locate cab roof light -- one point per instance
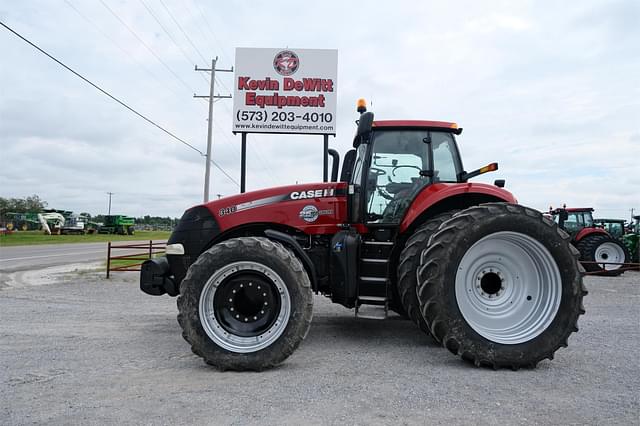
(361, 105)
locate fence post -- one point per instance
(108, 258)
(150, 248)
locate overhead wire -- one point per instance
(122, 49)
(183, 31)
(122, 103)
(264, 164)
(146, 46)
(208, 26)
(203, 35)
(184, 53)
(275, 177)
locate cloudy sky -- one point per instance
(548, 89)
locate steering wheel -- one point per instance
(393, 172)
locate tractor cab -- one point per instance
(573, 220)
(393, 161)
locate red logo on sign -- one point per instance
(286, 62)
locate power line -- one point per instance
(145, 45)
(122, 103)
(266, 165)
(183, 31)
(123, 50)
(185, 54)
(210, 29)
(203, 35)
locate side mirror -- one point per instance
(563, 215)
(464, 176)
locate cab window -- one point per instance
(445, 167)
(393, 178)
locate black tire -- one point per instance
(131, 230)
(588, 248)
(408, 267)
(288, 271)
(441, 298)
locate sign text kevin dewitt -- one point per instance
(285, 91)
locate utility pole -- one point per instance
(212, 97)
(110, 194)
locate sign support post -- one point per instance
(243, 163)
(325, 164)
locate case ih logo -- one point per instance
(286, 62)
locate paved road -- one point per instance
(90, 351)
(22, 258)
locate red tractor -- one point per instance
(600, 251)
(403, 229)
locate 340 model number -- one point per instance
(227, 210)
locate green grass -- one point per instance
(27, 238)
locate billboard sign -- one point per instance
(285, 91)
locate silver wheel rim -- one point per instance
(223, 337)
(609, 252)
(508, 287)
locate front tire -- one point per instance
(245, 304)
(500, 286)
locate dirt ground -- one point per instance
(78, 349)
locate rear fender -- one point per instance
(439, 198)
(586, 232)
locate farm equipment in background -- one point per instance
(402, 229)
(614, 227)
(599, 251)
(630, 239)
(75, 224)
(52, 222)
(22, 221)
(118, 224)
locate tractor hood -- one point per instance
(309, 207)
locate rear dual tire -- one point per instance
(245, 304)
(408, 267)
(605, 249)
(499, 285)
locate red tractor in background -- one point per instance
(403, 229)
(599, 251)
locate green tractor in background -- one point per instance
(22, 221)
(630, 240)
(615, 227)
(118, 224)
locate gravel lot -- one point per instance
(79, 349)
